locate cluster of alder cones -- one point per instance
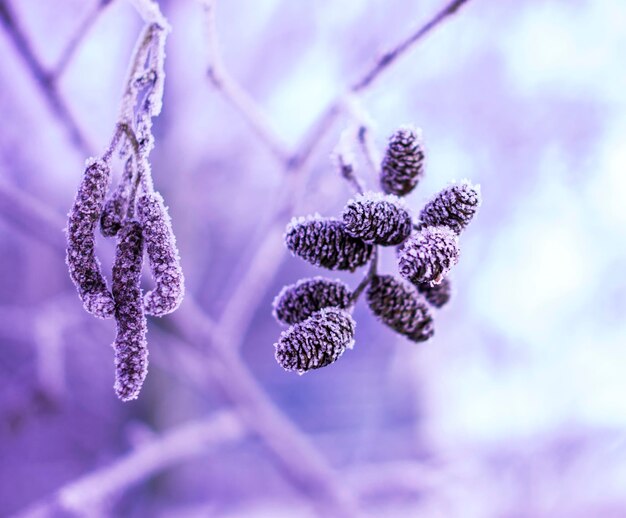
(318, 310)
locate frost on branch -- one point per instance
(403, 163)
(162, 256)
(399, 306)
(377, 219)
(428, 255)
(84, 267)
(325, 242)
(131, 348)
(317, 342)
(299, 301)
(453, 207)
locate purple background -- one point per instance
(515, 408)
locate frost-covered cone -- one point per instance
(299, 301)
(162, 256)
(316, 342)
(453, 207)
(428, 255)
(115, 207)
(378, 219)
(131, 349)
(403, 163)
(324, 242)
(399, 306)
(81, 259)
(437, 295)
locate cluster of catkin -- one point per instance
(137, 217)
(318, 310)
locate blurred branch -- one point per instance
(395, 52)
(236, 95)
(32, 217)
(42, 78)
(76, 39)
(91, 492)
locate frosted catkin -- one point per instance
(131, 348)
(83, 265)
(399, 306)
(377, 219)
(325, 242)
(162, 255)
(316, 342)
(428, 255)
(299, 301)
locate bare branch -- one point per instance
(43, 79)
(236, 95)
(71, 47)
(95, 489)
(395, 52)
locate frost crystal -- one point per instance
(162, 255)
(81, 259)
(115, 207)
(299, 301)
(377, 219)
(453, 207)
(131, 349)
(316, 342)
(428, 255)
(324, 242)
(399, 306)
(403, 163)
(437, 295)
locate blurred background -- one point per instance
(514, 409)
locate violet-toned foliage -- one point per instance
(399, 306)
(325, 242)
(131, 348)
(453, 207)
(428, 255)
(82, 262)
(297, 302)
(403, 162)
(162, 255)
(377, 219)
(316, 342)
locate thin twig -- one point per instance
(346, 162)
(97, 488)
(371, 273)
(236, 95)
(71, 47)
(43, 79)
(395, 52)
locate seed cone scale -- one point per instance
(428, 255)
(403, 163)
(316, 342)
(399, 306)
(325, 242)
(299, 301)
(377, 219)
